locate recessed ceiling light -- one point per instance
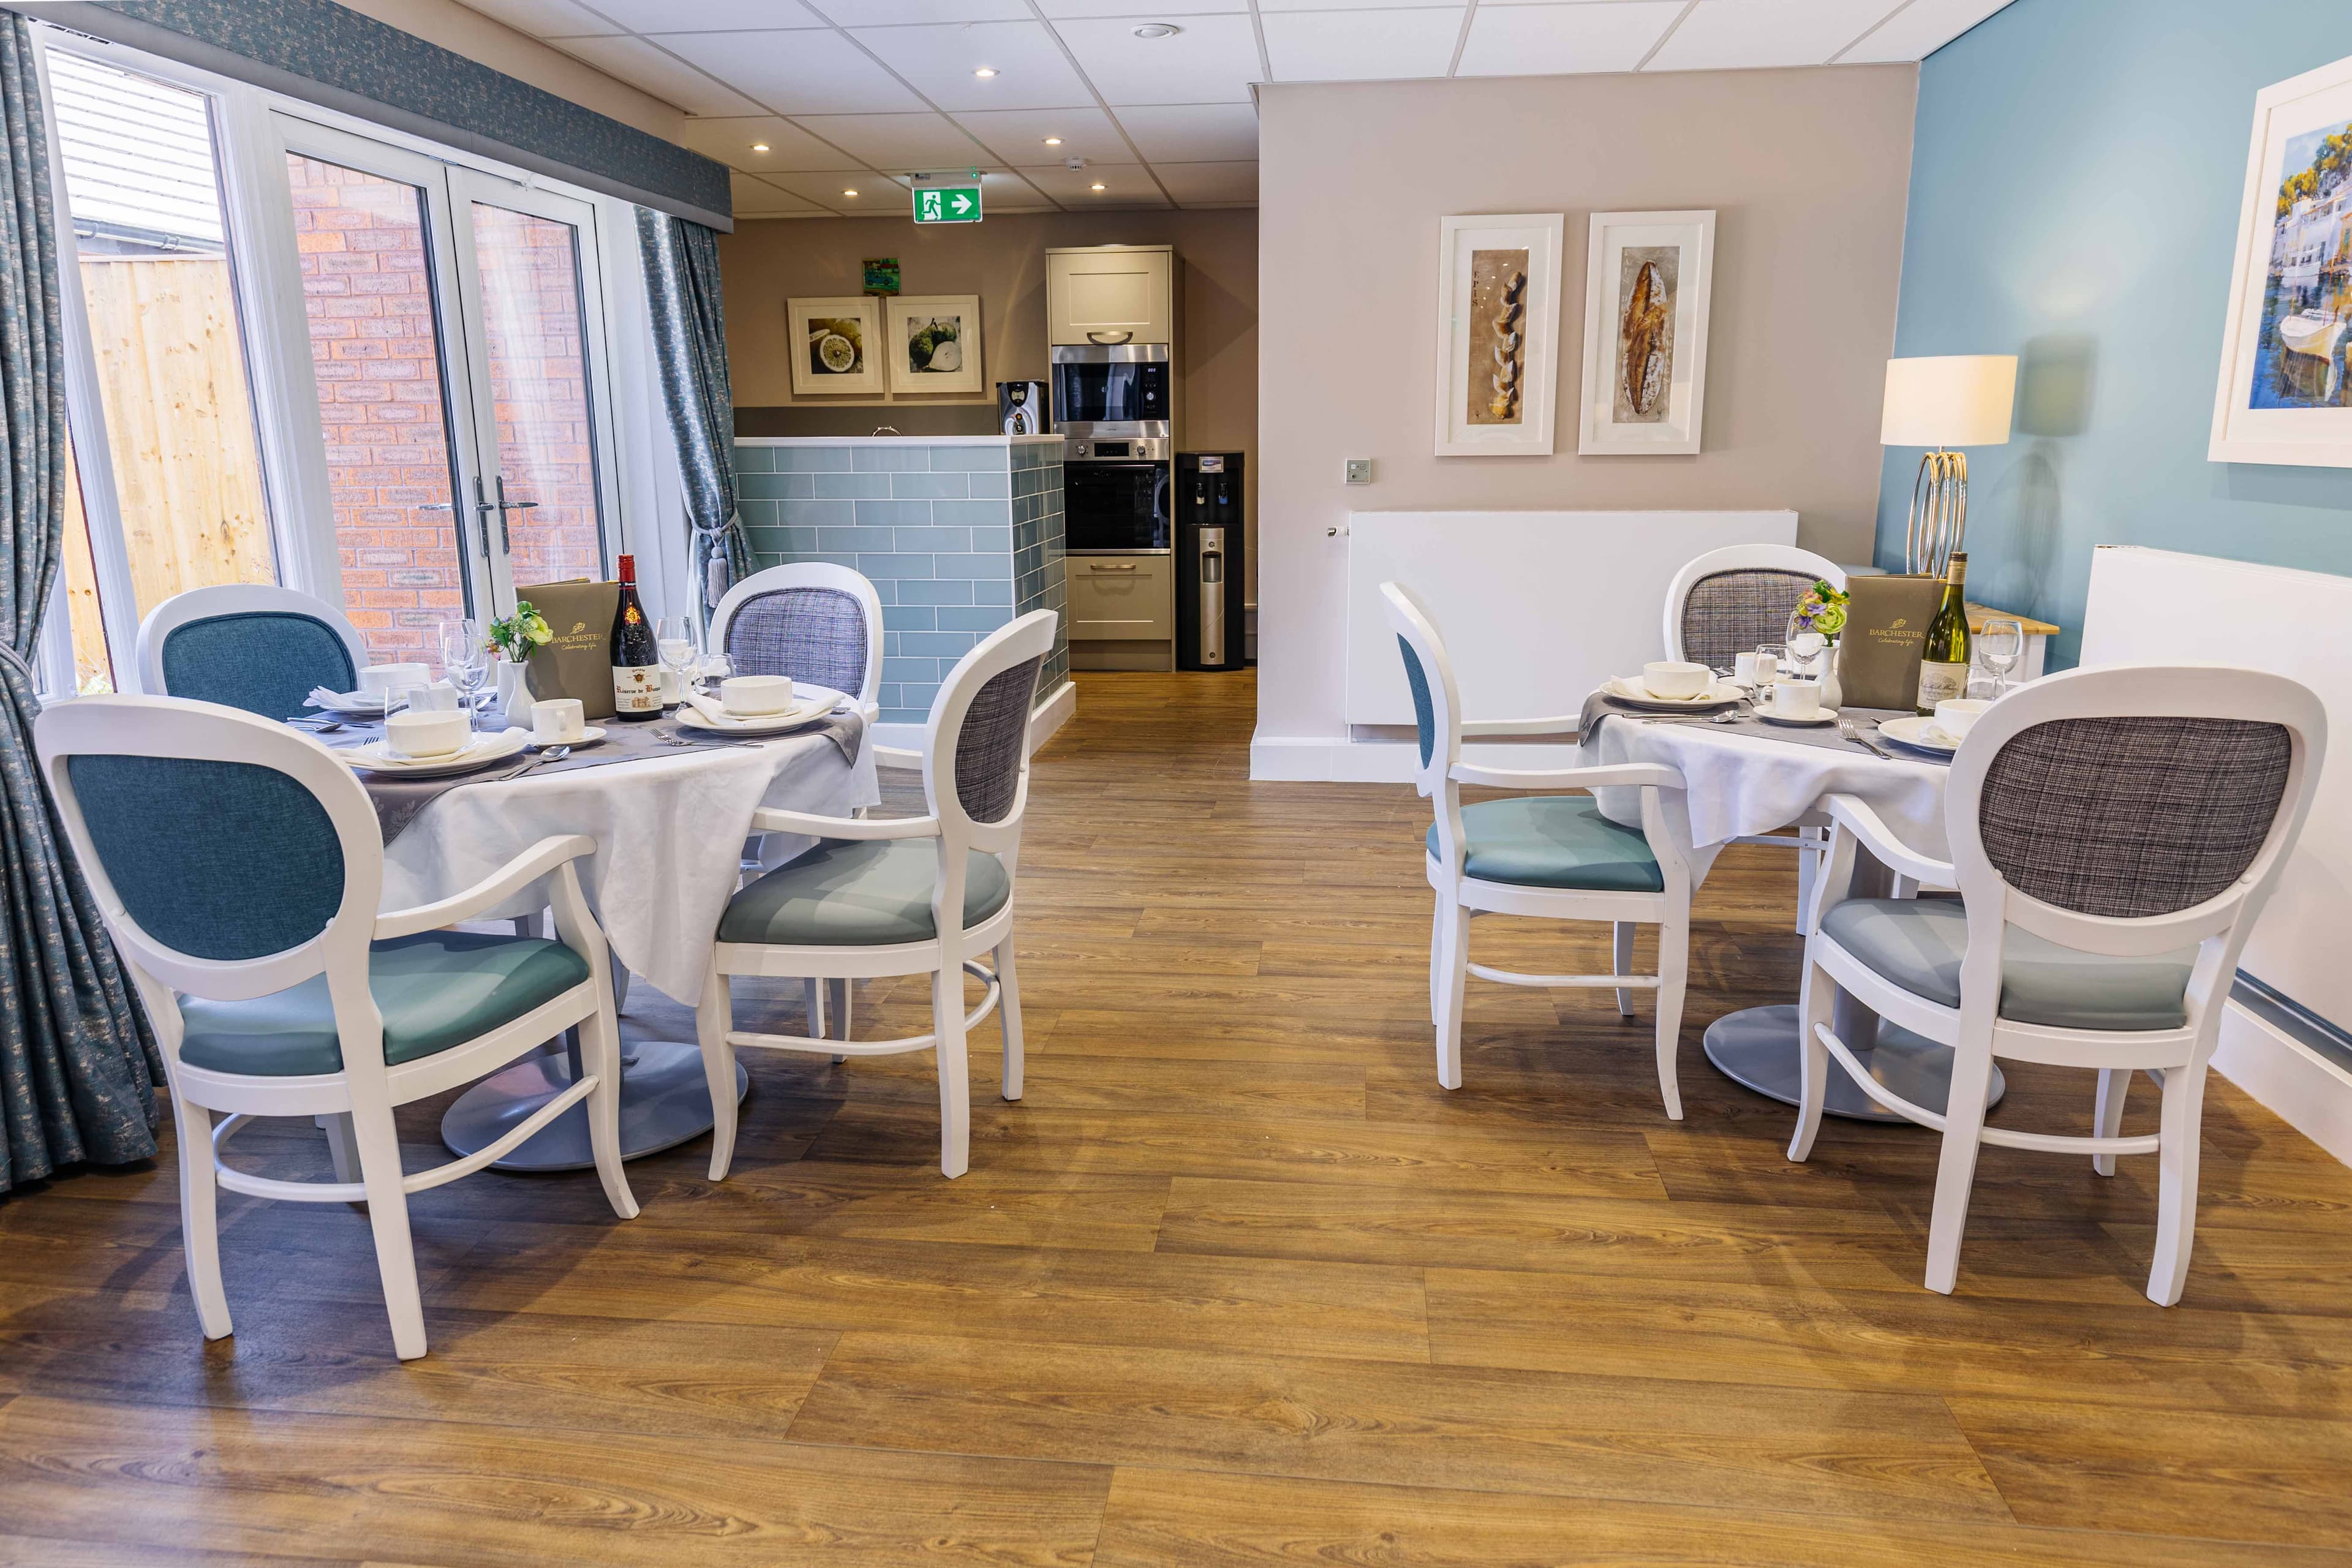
(1157, 30)
(759, 146)
(849, 192)
(1053, 142)
(1098, 186)
(984, 72)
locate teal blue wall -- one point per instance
(2075, 184)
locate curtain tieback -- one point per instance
(20, 661)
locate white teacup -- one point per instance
(1755, 668)
(425, 735)
(753, 695)
(1955, 716)
(1673, 681)
(1797, 697)
(559, 721)
(378, 679)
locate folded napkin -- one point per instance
(366, 702)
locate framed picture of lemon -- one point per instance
(837, 345)
(934, 343)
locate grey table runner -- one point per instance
(399, 801)
(1600, 706)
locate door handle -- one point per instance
(1125, 337)
(482, 510)
(505, 540)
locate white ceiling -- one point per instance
(850, 95)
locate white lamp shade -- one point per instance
(1953, 400)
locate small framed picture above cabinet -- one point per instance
(934, 343)
(837, 344)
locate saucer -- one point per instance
(589, 735)
(1919, 734)
(1826, 716)
(1629, 690)
(479, 751)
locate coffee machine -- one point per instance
(1025, 408)
(1209, 580)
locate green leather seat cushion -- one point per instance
(1554, 841)
(866, 892)
(1918, 944)
(435, 990)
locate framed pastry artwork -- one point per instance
(835, 344)
(1497, 334)
(934, 343)
(1648, 277)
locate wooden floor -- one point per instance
(1235, 1283)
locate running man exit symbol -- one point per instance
(947, 204)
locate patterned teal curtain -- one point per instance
(77, 1065)
(690, 340)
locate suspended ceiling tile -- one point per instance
(791, 150)
(796, 73)
(1270, 6)
(706, 16)
(894, 13)
(757, 198)
(1136, 11)
(874, 194)
(1124, 185)
(1361, 46)
(642, 66)
(545, 18)
(1019, 135)
(1031, 71)
(1919, 30)
(1212, 60)
(1733, 34)
(1546, 40)
(1194, 185)
(1193, 133)
(917, 141)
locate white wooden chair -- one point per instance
(239, 864)
(812, 620)
(253, 646)
(1553, 857)
(2115, 833)
(874, 899)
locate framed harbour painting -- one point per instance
(2285, 394)
(934, 342)
(837, 344)
(1497, 334)
(1648, 281)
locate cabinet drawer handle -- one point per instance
(1125, 337)
(1095, 568)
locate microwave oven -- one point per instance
(1113, 389)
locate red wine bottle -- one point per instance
(636, 663)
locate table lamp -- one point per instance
(1952, 400)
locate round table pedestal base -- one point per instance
(663, 1102)
(1757, 1049)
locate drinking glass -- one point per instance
(466, 659)
(1771, 660)
(673, 640)
(716, 667)
(2001, 644)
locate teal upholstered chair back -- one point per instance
(1429, 675)
(250, 646)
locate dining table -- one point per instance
(669, 806)
(1744, 775)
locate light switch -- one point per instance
(1359, 470)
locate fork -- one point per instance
(1846, 728)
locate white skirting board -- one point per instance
(1044, 720)
(2296, 1083)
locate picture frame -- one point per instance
(1498, 378)
(933, 345)
(1648, 280)
(818, 329)
(2286, 390)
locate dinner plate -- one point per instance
(481, 752)
(1634, 694)
(809, 703)
(1826, 716)
(1919, 734)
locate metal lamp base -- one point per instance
(1757, 1049)
(665, 1101)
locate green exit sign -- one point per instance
(947, 204)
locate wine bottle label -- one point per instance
(636, 689)
(1941, 683)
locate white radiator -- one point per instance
(1536, 608)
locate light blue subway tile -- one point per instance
(895, 513)
(893, 458)
(973, 618)
(905, 619)
(927, 486)
(886, 693)
(835, 556)
(755, 460)
(903, 669)
(907, 715)
(819, 515)
(974, 566)
(938, 591)
(890, 645)
(968, 459)
(812, 459)
(986, 485)
(940, 645)
(760, 487)
(987, 539)
(884, 590)
(852, 487)
(931, 541)
(970, 513)
(802, 541)
(859, 540)
(998, 592)
(760, 514)
(898, 567)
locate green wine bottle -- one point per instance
(1943, 656)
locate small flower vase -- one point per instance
(512, 688)
(1833, 694)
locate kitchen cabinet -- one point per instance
(1110, 294)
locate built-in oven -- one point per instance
(1112, 389)
(1116, 495)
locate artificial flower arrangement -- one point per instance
(517, 635)
(1821, 611)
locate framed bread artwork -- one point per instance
(1497, 334)
(1648, 279)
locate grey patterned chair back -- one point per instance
(1726, 613)
(816, 634)
(2130, 818)
(993, 743)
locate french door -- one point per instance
(456, 350)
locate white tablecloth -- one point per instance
(1750, 784)
(669, 836)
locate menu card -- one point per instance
(579, 661)
(1885, 627)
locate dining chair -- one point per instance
(1549, 856)
(882, 895)
(1732, 601)
(239, 864)
(2115, 833)
(253, 646)
(812, 620)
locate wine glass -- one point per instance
(673, 640)
(716, 667)
(466, 659)
(2001, 644)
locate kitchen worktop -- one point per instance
(896, 440)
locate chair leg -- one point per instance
(200, 1216)
(1810, 848)
(600, 1053)
(620, 985)
(1620, 960)
(813, 999)
(396, 1254)
(1956, 1171)
(713, 1016)
(1452, 955)
(1436, 957)
(1816, 1003)
(1008, 1014)
(955, 1071)
(1674, 976)
(341, 1152)
(2179, 1136)
(2115, 1083)
(838, 995)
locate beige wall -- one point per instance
(1002, 260)
(1808, 172)
(494, 43)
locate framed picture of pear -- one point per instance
(837, 345)
(1648, 277)
(1497, 334)
(934, 343)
